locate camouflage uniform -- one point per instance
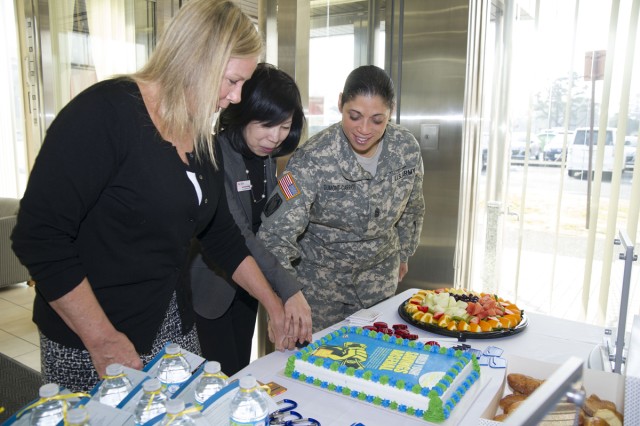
(340, 230)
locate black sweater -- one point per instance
(109, 199)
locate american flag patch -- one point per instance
(288, 186)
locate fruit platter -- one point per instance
(463, 314)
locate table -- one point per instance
(546, 339)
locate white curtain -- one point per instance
(112, 29)
(535, 240)
(61, 24)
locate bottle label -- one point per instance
(260, 422)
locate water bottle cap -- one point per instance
(174, 406)
(172, 349)
(152, 385)
(77, 415)
(48, 390)
(115, 369)
(212, 367)
(248, 382)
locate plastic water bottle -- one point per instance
(151, 403)
(77, 417)
(51, 411)
(115, 387)
(211, 381)
(175, 415)
(173, 369)
(250, 405)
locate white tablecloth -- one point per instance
(545, 338)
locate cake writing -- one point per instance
(404, 362)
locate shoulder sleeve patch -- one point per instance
(272, 205)
(288, 186)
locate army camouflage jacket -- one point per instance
(329, 211)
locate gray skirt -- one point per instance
(72, 368)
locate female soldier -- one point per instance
(347, 212)
(266, 124)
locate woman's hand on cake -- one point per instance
(298, 312)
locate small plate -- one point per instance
(463, 335)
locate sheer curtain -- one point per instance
(112, 29)
(540, 236)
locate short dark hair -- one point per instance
(270, 96)
(369, 80)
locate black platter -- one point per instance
(463, 335)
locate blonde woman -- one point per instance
(124, 180)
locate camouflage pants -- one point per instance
(334, 295)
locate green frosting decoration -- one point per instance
(435, 413)
(377, 400)
(442, 350)
(318, 362)
(305, 356)
(350, 371)
(362, 396)
(476, 364)
(411, 411)
(334, 366)
(400, 384)
(393, 405)
(331, 386)
(346, 391)
(302, 377)
(317, 382)
(384, 380)
(416, 388)
(367, 375)
(289, 368)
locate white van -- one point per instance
(578, 153)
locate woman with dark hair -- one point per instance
(266, 124)
(348, 209)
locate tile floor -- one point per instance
(18, 334)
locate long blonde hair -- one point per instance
(189, 62)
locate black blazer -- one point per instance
(212, 290)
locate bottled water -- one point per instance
(77, 417)
(115, 387)
(151, 403)
(211, 381)
(51, 411)
(173, 369)
(175, 415)
(249, 406)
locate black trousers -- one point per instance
(227, 339)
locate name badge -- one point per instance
(243, 185)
